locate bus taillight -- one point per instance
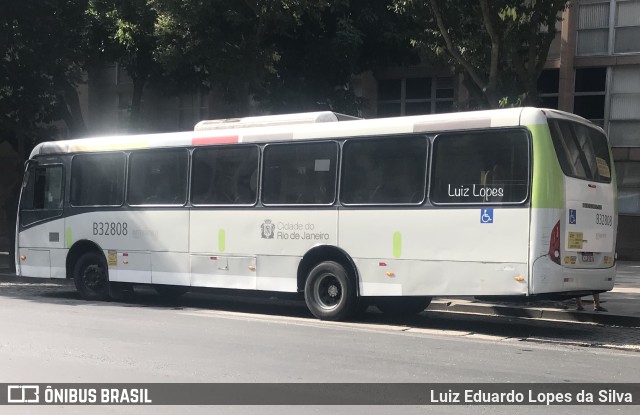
(554, 244)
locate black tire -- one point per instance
(330, 292)
(171, 292)
(402, 306)
(91, 276)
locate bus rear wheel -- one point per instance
(330, 292)
(90, 276)
(402, 306)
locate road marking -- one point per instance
(290, 320)
(381, 327)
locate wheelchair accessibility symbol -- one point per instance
(572, 216)
(486, 215)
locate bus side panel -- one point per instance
(58, 263)
(448, 251)
(277, 238)
(36, 243)
(439, 278)
(150, 245)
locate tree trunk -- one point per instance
(139, 83)
(75, 120)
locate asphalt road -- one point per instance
(47, 334)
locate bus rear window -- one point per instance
(582, 151)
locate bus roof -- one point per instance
(297, 127)
(271, 120)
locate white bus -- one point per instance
(389, 212)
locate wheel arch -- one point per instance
(78, 249)
(322, 253)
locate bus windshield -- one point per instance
(582, 151)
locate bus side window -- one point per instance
(44, 189)
(480, 167)
(42, 194)
(225, 175)
(300, 173)
(158, 177)
(384, 171)
(97, 179)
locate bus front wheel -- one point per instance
(330, 292)
(402, 306)
(90, 277)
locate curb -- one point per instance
(448, 306)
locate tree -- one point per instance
(40, 68)
(325, 46)
(214, 45)
(123, 32)
(499, 46)
(290, 55)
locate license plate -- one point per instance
(587, 257)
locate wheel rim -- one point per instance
(94, 277)
(327, 292)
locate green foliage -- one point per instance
(40, 63)
(500, 46)
(324, 47)
(284, 55)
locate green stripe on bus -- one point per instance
(69, 237)
(397, 244)
(221, 240)
(548, 179)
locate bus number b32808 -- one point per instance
(110, 228)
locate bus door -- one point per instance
(40, 218)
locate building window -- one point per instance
(608, 27)
(624, 114)
(589, 97)
(628, 173)
(627, 29)
(548, 86)
(413, 96)
(593, 28)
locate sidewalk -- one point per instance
(622, 303)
